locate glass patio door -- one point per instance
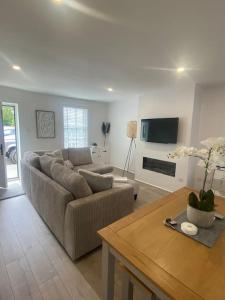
(3, 174)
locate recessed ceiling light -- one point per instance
(180, 70)
(110, 89)
(57, 1)
(16, 67)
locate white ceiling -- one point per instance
(80, 48)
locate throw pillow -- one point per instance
(68, 164)
(71, 181)
(33, 159)
(46, 162)
(96, 181)
(80, 156)
(55, 154)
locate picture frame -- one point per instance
(45, 124)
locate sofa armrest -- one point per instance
(84, 217)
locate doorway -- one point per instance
(10, 184)
(10, 131)
(9, 144)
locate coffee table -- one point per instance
(170, 264)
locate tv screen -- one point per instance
(160, 130)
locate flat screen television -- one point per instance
(163, 130)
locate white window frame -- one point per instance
(66, 145)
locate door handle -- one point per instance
(1, 149)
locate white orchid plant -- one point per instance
(211, 157)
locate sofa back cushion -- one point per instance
(96, 181)
(56, 154)
(65, 154)
(71, 181)
(33, 159)
(80, 156)
(46, 162)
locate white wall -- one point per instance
(173, 101)
(212, 113)
(28, 102)
(211, 119)
(119, 114)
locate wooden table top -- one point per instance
(181, 267)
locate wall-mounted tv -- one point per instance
(163, 130)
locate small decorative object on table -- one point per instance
(200, 208)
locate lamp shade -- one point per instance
(132, 129)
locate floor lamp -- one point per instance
(132, 134)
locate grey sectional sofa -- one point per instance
(74, 222)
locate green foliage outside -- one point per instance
(8, 116)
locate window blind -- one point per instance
(75, 127)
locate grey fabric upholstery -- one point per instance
(80, 156)
(86, 216)
(33, 159)
(46, 162)
(65, 154)
(68, 164)
(74, 222)
(25, 177)
(97, 168)
(73, 182)
(97, 182)
(56, 154)
(50, 200)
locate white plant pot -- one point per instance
(200, 218)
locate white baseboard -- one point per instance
(132, 172)
(158, 187)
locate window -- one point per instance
(75, 127)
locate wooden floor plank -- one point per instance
(40, 265)
(74, 281)
(54, 289)
(5, 286)
(22, 280)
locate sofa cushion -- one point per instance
(56, 154)
(96, 168)
(80, 156)
(71, 181)
(65, 154)
(68, 164)
(46, 162)
(33, 159)
(96, 181)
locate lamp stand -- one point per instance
(127, 162)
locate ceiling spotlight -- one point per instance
(16, 67)
(180, 70)
(110, 89)
(57, 1)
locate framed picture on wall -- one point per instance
(45, 123)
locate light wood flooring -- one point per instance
(34, 266)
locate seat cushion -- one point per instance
(71, 181)
(46, 162)
(96, 168)
(97, 182)
(80, 156)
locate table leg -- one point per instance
(108, 269)
(127, 286)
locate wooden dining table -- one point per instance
(170, 264)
